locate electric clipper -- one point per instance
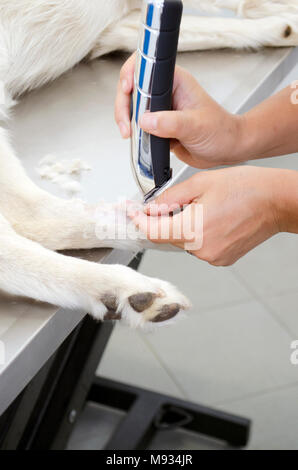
(153, 89)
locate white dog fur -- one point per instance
(39, 41)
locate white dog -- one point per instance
(40, 40)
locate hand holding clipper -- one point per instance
(153, 89)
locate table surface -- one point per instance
(73, 118)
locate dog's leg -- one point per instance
(122, 35)
(208, 33)
(56, 223)
(200, 33)
(105, 291)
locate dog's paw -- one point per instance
(154, 302)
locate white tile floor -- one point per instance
(232, 352)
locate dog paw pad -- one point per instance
(110, 301)
(141, 302)
(167, 313)
(112, 316)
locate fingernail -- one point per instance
(134, 215)
(152, 209)
(123, 129)
(124, 84)
(132, 211)
(190, 253)
(148, 122)
(132, 208)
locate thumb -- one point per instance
(169, 124)
(175, 198)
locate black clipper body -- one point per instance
(153, 89)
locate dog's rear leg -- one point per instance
(107, 292)
(200, 33)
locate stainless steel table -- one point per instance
(73, 117)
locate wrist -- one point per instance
(233, 143)
(247, 138)
(285, 200)
(269, 129)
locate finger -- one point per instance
(122, 107)
(157, 229)
(169, 124)
(178, 196)
(127, 74)
(187, 92)
(122, 103)
(184, 155)
(183, 230)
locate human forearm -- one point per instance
(271, 128)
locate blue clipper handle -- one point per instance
(162, 86)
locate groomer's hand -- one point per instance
(203, 134)
(242, 207)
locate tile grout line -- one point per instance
(257, 394)
(232, 303)
(252, 297)
(161, 361)
(263, 302)
(163, 365)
